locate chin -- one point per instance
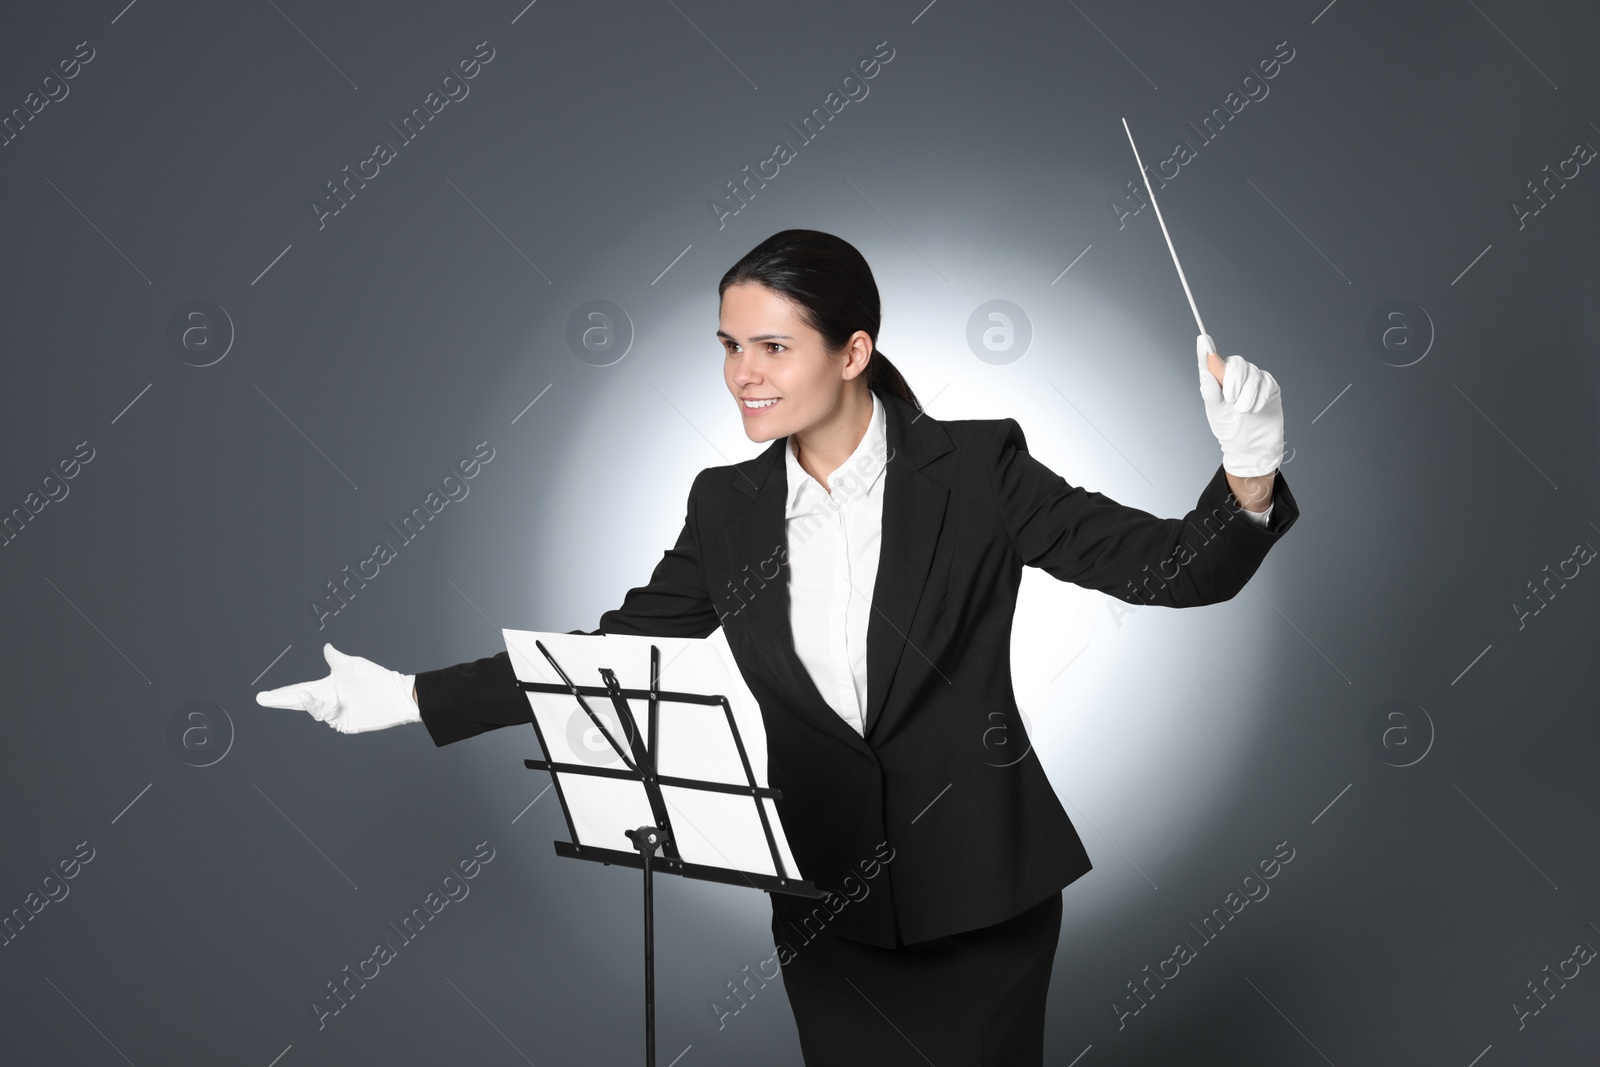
(761, 434)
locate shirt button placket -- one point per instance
(846, 681)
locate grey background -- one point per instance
(370, 355)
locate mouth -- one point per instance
(752, 406)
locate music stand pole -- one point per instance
(646, 839)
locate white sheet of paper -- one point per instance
(693, 741)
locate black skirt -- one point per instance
(972, 999)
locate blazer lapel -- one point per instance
(914, 509)
(755, 535)
(915, 505)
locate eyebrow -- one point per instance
(758, 337)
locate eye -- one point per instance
(774, 345)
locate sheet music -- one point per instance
(713, 829)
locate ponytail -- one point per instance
(885, 379)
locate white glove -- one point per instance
(356, 696)
(1245, 412)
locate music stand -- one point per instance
(639, 790)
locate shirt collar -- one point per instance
(855, 476)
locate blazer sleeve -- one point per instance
(469, 698)
(1087, 538)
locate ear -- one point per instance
(858, 352)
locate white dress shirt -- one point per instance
(834, 536)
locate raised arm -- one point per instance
(1087, 538)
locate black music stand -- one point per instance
(639, 758)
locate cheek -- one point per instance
(799, 391)
(804, 379)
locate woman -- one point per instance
(864, 567)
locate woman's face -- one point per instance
(770, 354)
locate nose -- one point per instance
(743, 371)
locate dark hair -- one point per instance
(832, 286)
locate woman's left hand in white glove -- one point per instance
(355, 696)
(1245, 411)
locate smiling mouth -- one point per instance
(761, 405)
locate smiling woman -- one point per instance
(800, 321)
(875, 630)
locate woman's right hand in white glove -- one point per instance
(1244, 406)
(356, 696)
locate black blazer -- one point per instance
(965, 507)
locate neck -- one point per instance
(824, 446)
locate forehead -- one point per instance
(755, 308)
